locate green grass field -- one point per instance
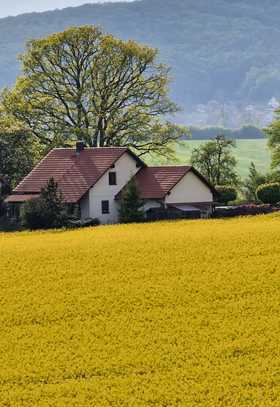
(246, 151)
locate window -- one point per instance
(112, 178)
(105, 207)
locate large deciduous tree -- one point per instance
(18, 153)
(273, 133)
(216, 162)
(85, 84)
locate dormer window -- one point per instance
(112, 178)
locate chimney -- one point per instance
(79, 147)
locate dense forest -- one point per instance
(224, 51)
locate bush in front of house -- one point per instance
(47, 211)
(2, 206)
(226, 194)
(269, 193)
(243, 210)
(131, 205)
(5, 189)
(83, 223)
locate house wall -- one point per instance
(125, 168)
(190, 190)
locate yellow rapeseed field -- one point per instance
(169, 314)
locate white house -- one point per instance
(94, 179)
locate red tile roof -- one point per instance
(20, 198)
(157, 182)
(75, 174)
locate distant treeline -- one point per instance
(246, 132)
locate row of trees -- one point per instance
(215, 160)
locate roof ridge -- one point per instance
(66, 172)
(170, 166)
(74, 165)
(91, 148)
(75, 173)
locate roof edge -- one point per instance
(199, 175)
(14, 191)
(125, 150)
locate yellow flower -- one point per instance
(166, 314)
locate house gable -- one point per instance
(124, 169)
(191, 188)
(74, 171)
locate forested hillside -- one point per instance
(223, 50)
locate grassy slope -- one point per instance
(246, 151)
(171, 314)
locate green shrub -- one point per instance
(34, 214)
(131, 205)
(47, 211)
(226, 194)
(269, 193)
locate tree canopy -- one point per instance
(216, 162)
(87, 85)
(273, 133)
(18, 153)
(252, 182)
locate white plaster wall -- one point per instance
(190, 190)
(126, 168)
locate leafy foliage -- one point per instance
(18, 154)
(273, 133)
(5, 189)
(226, 194)
(252, 182)
(131, 205)
(269, 193)
(168, 314)
(47, 211)
(86, 85)
(223, 50)
(216, 162)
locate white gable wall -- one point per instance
(190, 190)
(125, 168)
